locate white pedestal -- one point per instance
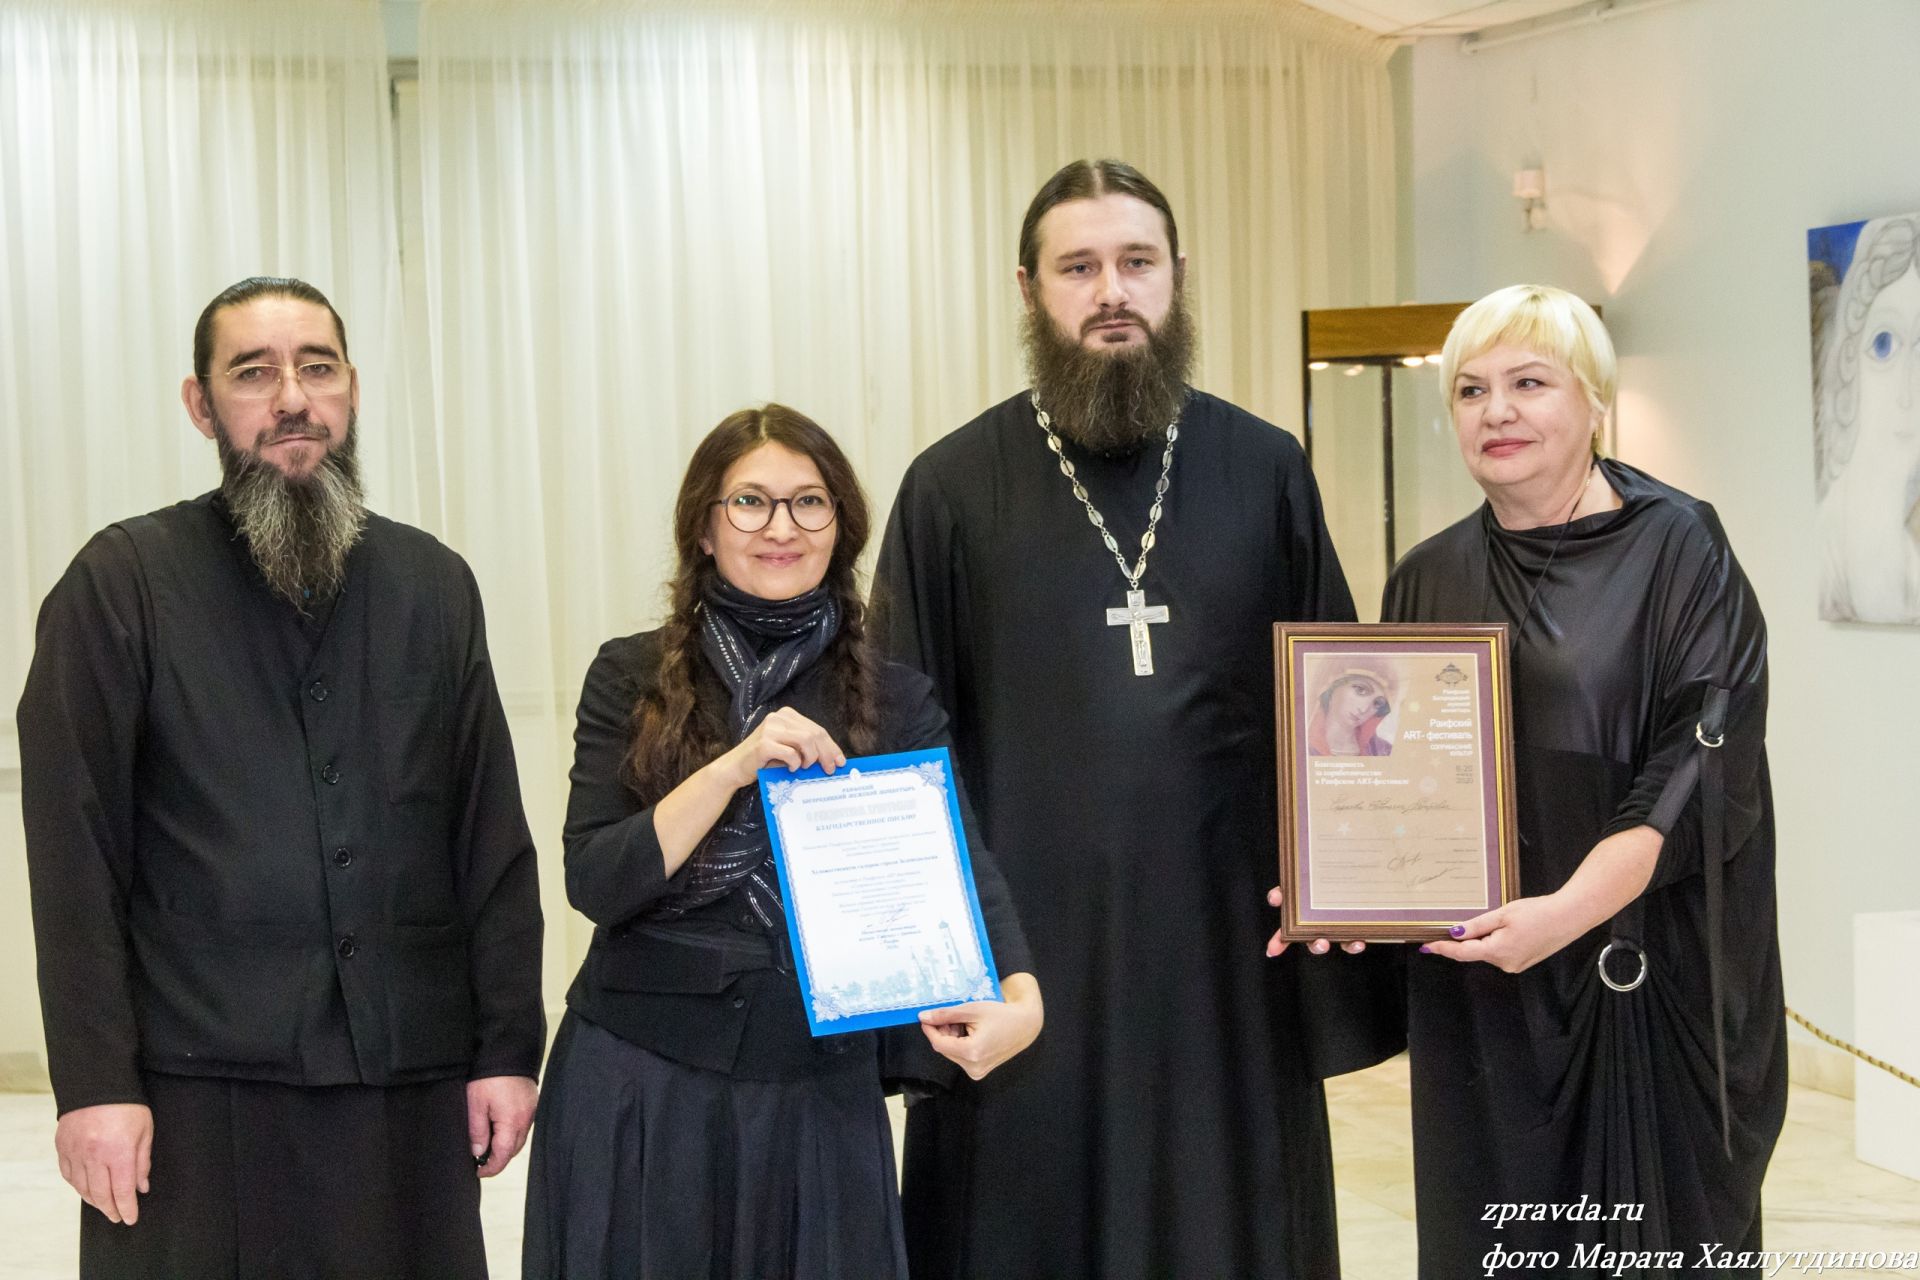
(1886, 1022)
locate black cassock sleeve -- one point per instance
(1319, 591)
(1351, 1010)
(923, 726)
(919, 610)
(1710, 634)
(908, 1062)
(81, 717)
(920, 620)
(495, 864)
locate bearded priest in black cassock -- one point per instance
(1112, 708)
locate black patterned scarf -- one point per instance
(758, 647)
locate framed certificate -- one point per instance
(1396, 778)
(881, 907)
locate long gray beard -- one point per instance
(299, 532)
(1111, 403)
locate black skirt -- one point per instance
(347, 1182)
(644, 1167)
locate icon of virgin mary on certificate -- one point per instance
(1396, 778)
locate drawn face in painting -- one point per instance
(1871, 512)
(1889, 413)
(1354, 701)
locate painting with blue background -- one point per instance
(1834, 245)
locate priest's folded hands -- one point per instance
(1319, 946)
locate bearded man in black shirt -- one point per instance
(284, 896)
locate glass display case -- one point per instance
(1380, 437)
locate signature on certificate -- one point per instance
(1354, 804)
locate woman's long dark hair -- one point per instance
(672, 735)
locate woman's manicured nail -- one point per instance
(1425, 950)
(1458, 931)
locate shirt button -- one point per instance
(343, 857)
(739, 1002)
(746, 920)
(318, 691)
(347, 947)
(330, 776)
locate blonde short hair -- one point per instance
(1545, 320)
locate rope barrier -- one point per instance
(1865, 1057)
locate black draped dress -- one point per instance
(1169, 1122)
(1547, 1087)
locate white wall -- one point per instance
(1687, 150)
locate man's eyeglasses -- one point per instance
(262, 381)
(751, 510)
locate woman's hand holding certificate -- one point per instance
(787, 738)
(981, 1035)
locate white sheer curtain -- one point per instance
(638, 218)
(621, 223)
(150, 155)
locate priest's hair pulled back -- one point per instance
(1089, 180)
(672, 735)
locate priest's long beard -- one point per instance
(1110, 402)
(298, 529)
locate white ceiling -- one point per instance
(1437, 17)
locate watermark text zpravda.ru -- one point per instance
(1585, 1209)
(1607, 1260)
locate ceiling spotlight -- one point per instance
(1412, 362)
(1316, 365)
(1434, 358)
(1354, 370)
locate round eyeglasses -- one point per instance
(262, 381)
(751, 510)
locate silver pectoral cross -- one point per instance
(1138, 617)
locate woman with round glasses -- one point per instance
(690, 1126)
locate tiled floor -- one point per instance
(1817, 1196)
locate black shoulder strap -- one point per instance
(1711, 732)
(1705, 769)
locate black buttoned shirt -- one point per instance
(270, 845)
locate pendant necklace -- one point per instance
(1526, 613)
(1137, 616)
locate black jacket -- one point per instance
(714, 988)
(268, 847)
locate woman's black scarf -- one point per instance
(758, 648)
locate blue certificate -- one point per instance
(879, 891)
